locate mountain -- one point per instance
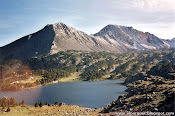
(60, 37)
(130, 38)
(171, 42)
(51, 39)
(30, 45)
(68, 38)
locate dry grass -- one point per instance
(72, 77)
(35, 78)
(65, 110)
(106, 76)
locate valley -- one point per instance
(80, 66)
(59, 53)
(149, 75)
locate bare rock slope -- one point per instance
(129, 38)
(60, 37)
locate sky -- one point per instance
(22, 17)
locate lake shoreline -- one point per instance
(84, 90)
(62, 81)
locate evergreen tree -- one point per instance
(22, 103)
(36, 104)
(41, 104)
(13, 102)
(47, 103)
(56, 103)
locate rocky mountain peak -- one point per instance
(111, 28)
(107, 29)
(60, 37)
(69, 38)
(61, 25)
(130, 38)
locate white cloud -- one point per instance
(162, 30)
(4, 24)
(154, 5)
(156, 16)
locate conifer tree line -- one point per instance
(10, 102)
(41, 104)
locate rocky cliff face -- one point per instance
(68, 38)
(129, 38)
(59, 37)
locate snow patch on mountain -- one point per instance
(29, 37)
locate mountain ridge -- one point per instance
(60, 37)
(130, 36)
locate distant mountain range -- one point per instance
(59, 37)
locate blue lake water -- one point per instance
(83, 93)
